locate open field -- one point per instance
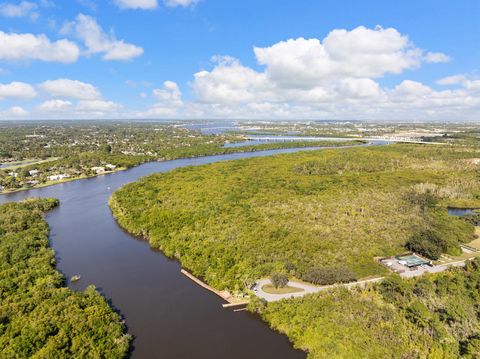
(27, 162)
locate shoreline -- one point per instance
(224, 294)
(53, 183)
(250, 149)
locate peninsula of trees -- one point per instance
(305, 213)
(327, 216)
(39, 317)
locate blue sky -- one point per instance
(398, 60)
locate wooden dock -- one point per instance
(232, 302)
(236, 304)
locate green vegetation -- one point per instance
(35, 155)
(39, 317)
(435, 316)
(330, 275)
(279, 280)
(268, 288)
(304, 214)
(26, 162)
(427, 243)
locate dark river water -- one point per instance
(168, 315)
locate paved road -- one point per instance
(310, 288)
(435, 269)
(307, 288)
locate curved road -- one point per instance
(310, 288)
(307, 288)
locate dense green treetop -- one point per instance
(304, 213)
(39, 317)
(435, 316)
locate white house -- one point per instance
(98, 170)
(58, 177)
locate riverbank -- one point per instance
(183, 213)
(39, 316)
(162, 308)
(191, 154)
(64, 180)
(310, 214)
(224, 294)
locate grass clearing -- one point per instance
(27, 162)
(270, 289)
(476, 242)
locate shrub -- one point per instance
(329, 275)
(427, 243)
(473, 219)
(418, 314)
(424, 196)
(472, 348)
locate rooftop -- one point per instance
(411, 260)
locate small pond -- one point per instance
(459, 212)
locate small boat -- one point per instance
(75, 278)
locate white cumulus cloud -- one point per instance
(98, 106)
(452, 80)
(83, 109)
(153, 4)
(54, 105)
(98, 41)
(436, 57)
(182, 3)
(230, 82)
(361, 53)
(333, 77)
(137, 4)
(14, 112)
(67, 88)
(170, 94)
(337, 77)
(412, 88)
(36, 47)
(17, 90)
(22, 9)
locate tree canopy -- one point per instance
(39, 317)
(305, 214)
(435, 316)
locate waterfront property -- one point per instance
(163, 309)
(58, 177)
(405, 263)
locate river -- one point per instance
(168, 315)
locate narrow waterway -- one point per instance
(169, 316)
